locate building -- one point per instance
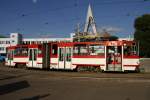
(4, 42)
(16, 38)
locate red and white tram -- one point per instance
(103, 55)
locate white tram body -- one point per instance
(103, 55)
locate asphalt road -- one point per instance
(22, 84)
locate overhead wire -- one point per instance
(74, 5)
(84, 4)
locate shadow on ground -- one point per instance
(5, 77)
(38, 97)
(12, 87)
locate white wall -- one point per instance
(15, 38)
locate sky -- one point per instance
(59, 18)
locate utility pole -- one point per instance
(78, 32)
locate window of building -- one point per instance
(2, 48)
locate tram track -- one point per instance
(17, 72)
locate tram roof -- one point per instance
(61, 44)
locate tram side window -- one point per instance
(54, 49)
(25, 51)
(30, 54)
(35, 54)
(96, 50)
(21, 52)
(80, 50)
(114, 50)
(84, 50)
(39, 51)
(130, 50)
(68, 52)
(76, 50)
(61, 54)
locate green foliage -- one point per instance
(142, 34)
(113, 38)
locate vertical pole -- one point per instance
(106, 53)
(122, 54)
(138, 48)
(78, 31)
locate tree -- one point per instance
(113, 38)
(142, 34)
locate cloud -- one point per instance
(34, 1)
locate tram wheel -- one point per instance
(137, 70)
(98, 69)
(78, 69)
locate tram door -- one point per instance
(65, 57)
(46, 56)
(114, 58)
(32, 57)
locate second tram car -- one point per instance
(98, 56)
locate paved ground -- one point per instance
(21, 84)
(145, 64)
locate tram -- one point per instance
(98, 56)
